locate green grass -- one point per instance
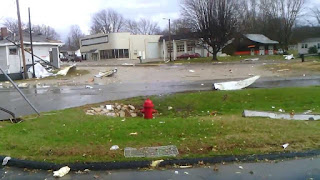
(71, 136)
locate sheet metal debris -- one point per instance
(5, 161)
(161, 151)
(285, 146)
(288, 57)
(106, 73)
(114, 147)
(301, 117)
(40, 71)
(61, 172)
(66, 70)
(235, 85)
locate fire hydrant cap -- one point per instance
(148, 104)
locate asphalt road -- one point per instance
(302, 169)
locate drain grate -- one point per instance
(161, 151)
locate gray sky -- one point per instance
(61, 14)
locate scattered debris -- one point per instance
(302, 117)
(91, 80)
(215, 168)
(128, 64)
(251, 172)
(170, 108)
(162, 122)
(61, 172)
(114, 147)
(308, 112)
(235, 85)
(116, 110)
(288, 57)
(176, 172)
(282, 70)
(281, 110)
(89, 87)
(133, 134)
(40, 71)
(252, 59)
(185, 167)
(240, 167)
(186, 173)
(6, 160)
(106, 73)
(192, 71)
(273, 107)
(161, 151)
(202, 84)
(23, 85)
(238, 172)
(156, 163)
(285, 146)
(66, 70)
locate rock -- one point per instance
(131, 107)
(128, 113)
(119, 107)
(97, 109)
(122, 114)
(133, 114)
(89, 114)
(91, 111)
(111, 114)
(106, 110)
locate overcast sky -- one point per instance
(61, 14)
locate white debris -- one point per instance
(281, 110)
(170, 108)
(127, 64)
(202, 84)
(282, 70)
(89, 87)
(285, 146)
(240, 167)
(109, 107)
(162, 122)
(61, 172)
(308, 112)
(288, 57)
(192, 71)
(65, 71)
(114, 147)
(235, 85)
(288, 116)
(273, 107)
(5, 161)
(40, 71)
(23, 85)
(253, 59)
(106, 73)
(133, 134)
(156, 163)
(176, 172)
(185, 167)
(186, 173)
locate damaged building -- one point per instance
(10, 54)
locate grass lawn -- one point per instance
(306, 67)
(71, 136)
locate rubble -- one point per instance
(5, 161)
(115, 110)
(61, 172)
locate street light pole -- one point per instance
(170, 40)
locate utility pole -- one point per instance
(31, 44)
(170, 47)
(21, 41)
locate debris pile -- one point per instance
(116, 110)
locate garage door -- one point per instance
(153, 51)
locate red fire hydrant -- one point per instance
(148, 109)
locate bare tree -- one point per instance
(74, 37)
(215, 20)
(107, 21)
(132, 26)
(284, 14)
(143, 26)
(316, 14)
(12, 25)
(47, 31)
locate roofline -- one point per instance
(35, 43)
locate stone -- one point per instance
(131, 107)
(122, 114)
(111, 114)
(97, 109)
(119, 107)
(106, 110)
(91, 111)
(89, 114)
(133, 114)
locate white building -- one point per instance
(10, 54)
(303, 47)
(120, 46)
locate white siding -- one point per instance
(305, 50)
(14, 61)
(3, 57)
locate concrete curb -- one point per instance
(145, 164)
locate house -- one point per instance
(121, 45)
(303, 47)
(253, 44)
(10, 54)
(187, 43)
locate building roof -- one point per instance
(36, 39)
(260, 38)
(309, 40)
(180, 37)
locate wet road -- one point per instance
(305, 169)
(56, 98)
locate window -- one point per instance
(180, 47)
(169, 49)
(190, 46)
(302, 46)
(114, 53)
(13, 51)
(306, 46)
(318, 45)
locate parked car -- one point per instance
(191, 56)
